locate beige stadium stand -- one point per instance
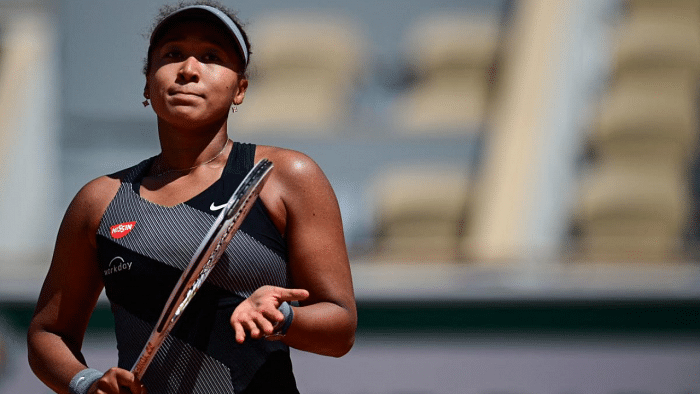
(304, 69)
(419, 211)
(648, 119)
(650, 110)
(633, 214)
(452, 56)
(661, 7)
(650, 38)
(634, 203)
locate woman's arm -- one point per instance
(70, 291)
(326, 320)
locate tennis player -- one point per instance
(283, 282)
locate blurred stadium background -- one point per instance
(519, 180)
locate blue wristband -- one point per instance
(83, 380)
(288, 313)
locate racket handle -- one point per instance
(147, 355)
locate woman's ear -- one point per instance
(146, 95)
(240, 93)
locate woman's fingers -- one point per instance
(256, 326)
(128, 381)
(265, 326)
(258, 315)
(238, 329)
(273, 315)
(252, 328)
(119, 381)
(293, 295)
(241, 325)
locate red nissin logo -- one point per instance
(121, 230)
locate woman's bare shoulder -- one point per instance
(91, 201)
(290, 163)
(99, 190)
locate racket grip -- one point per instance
(147, 355)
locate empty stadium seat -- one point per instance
(647, 118)
(451, 56)
(664, 7)
(304, 69)
(633, 213)
(651, 39)
(419, 211)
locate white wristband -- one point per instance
(83, 380)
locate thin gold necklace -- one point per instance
(193, 167)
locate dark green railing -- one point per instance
(624, 316)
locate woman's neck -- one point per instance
(184, 149)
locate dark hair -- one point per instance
(169, 9)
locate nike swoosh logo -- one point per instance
(216, 207)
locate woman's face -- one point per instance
(194, 79)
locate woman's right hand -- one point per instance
(258, 314)
(118, 381)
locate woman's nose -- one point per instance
(189, 70)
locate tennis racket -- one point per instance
(204, 260)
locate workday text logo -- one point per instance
(117, 264)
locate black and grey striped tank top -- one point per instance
(143, 248)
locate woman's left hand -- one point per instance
(259, 315)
